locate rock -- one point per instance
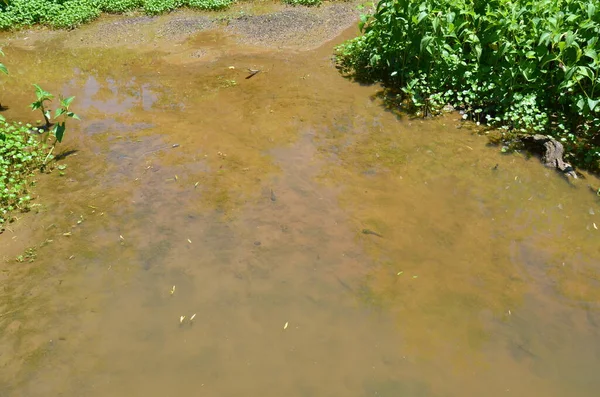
(550, 150)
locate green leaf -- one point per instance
(59, 131)
(67, 101)
(545, 38)
(591, 53)
(73, 115)
(586, 72)
(59, 112)
(591, 10)
(41, 94)
(592, 103)
(3, 69)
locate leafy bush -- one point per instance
(119, 6)
(303, 2)
(72, 13)
(525, 66)
(155, 7)
(209, 4)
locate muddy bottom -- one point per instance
(283, 234)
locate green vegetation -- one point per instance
(72, 13)
(25, 149)
(210, 4)
(68, 14)
(522, 66)
(304, 2)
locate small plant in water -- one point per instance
(23, 151)
(28, 256)
(57, 125)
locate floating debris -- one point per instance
(121, 237)
(253, 72)
(595, 227)
(192, 317)
(189, 241)
(371, 232)
(286, 325)
(399, 273)
(273, 196)
(181, 319)
(173, 290)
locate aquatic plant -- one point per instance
(24, 149)
(525, 67)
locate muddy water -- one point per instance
(249, 198)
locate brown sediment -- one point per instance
(247, 195)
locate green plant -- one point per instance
(303, 2)
(42, 97)
(209, 4)
(118, 6)
(4, 70)
(21, 153)
(58, 124)
(29, 255)
(526, 67)
(155, 7)
(70, 14)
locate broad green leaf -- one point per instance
(545, 38)
(67, 101)
(425, 41)
(585, 71)
(592, 103)
(59, 131)
(59, 112)
(591, 53)
(3, 69)
(591, 10)
(73, 115)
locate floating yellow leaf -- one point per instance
(285, 326)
